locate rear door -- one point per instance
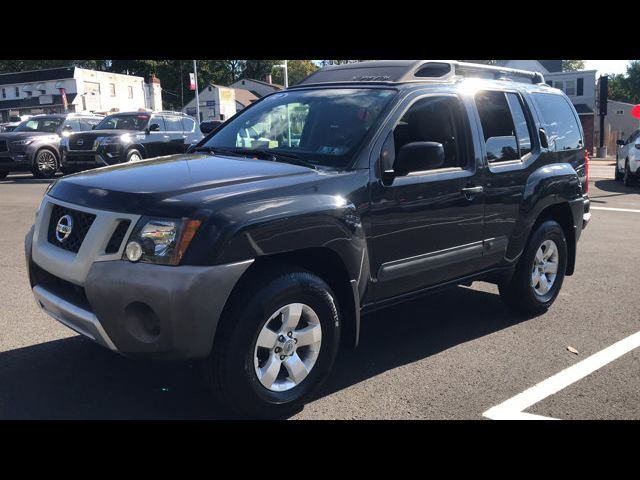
(427, 226)
(510, 152)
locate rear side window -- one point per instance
(522, 126)
(73, 124)
(497, 126)
(173, 124)
(559, 121)
(187, 124)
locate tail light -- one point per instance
(586, 169)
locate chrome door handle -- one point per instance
(472, 190)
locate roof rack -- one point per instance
(404, 71)
(170, 112)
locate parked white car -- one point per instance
(628, 159)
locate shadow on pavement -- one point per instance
(613, 187)
(76, 379)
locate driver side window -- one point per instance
(435, 119)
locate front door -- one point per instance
(157, 141)
(426, 226)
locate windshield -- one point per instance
(323, 126)
(43, 124)
(124, 122)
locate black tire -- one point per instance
(628, 179)
(45, 157)
(230, 371)
(132, 154)
(518, 293)
(617, 175)
(3, 174)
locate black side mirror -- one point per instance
(154, 127)
(208, 127)
(544, 142)
(419, 156)
(620, 142)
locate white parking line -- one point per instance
(513, 409)
(616, 209)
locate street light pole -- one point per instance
(286, 85)
(195, 74)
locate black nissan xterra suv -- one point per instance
(363, 185)
(129, 137)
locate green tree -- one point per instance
(297, 71)
(626, 87)
(258, 69)
(572, 65)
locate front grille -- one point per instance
(81, 142)
(81, 223)
(3, 146)
(118, 236)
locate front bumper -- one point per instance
(101, 156)
(16, 158)
(140, 309)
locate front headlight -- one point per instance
(26, 141)
(160, 240)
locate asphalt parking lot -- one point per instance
(454, 355)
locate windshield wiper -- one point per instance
(264, 154)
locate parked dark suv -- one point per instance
(129, 137)
(34, 145)
(363, 185)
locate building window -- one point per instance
(619, 112)
(550, 83)
(4, 93)
(570, 88)
(43, 91)
(580, 89)
(210, 89)
(29, 93)
(17, 92)
(112, 89)
(559, 84)
(130, 89)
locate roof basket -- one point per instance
(402, 71)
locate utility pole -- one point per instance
(286, 85)
(603, 85)
(195, 74)
(181, 88)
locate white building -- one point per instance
(219, 103)
(74, 89)
(257, 87)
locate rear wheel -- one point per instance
(275, 345)
(539, 274)
(45, 164)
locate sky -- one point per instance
(606, 66)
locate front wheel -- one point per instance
(539, 274)
(133, 155)
(617, 175)
(276, 343)
(628, 176)
(45, 165)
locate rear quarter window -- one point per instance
(559, 121)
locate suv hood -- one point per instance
(175, 185)
(105, 133)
